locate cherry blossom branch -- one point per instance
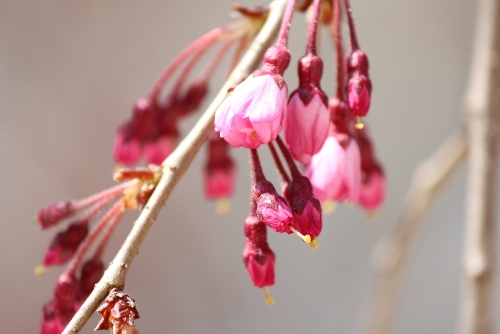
(483, 112)
(173, 168)
(393, 252)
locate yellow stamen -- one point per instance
(40, 270)
(223, 207)
(306, 238)
(328, 207)
(314, 243)
(359, 125)
(254, 135)
(269, 299)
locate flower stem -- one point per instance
(285, 24)
(77, 259)
(208, 39)
(257, 172)
(336, 31)
(313, 28)
(352, 29)
(279, 165)
(189, 67)
(294, 170)
(212, 66)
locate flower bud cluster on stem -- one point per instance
(72, 244)
(326, 135)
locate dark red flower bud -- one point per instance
(92, 272)
(359, 85)
(272, 209)
(194, 96)
(65, 243)
(58, 312)
(55, 213)
(257, 256)
(52, 322)
(305, 207)
(373, 185)
(220, 171)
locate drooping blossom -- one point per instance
(258, 258)
(306, 125)
(151, 132)
(253, 112)
(272, 209)
(359, 85)
(91, 273)
(334, 171)
(306, 208)
(307, 119)
(65, 243)
(58, 312)
(54, 213)
(298, 191)
(220, 170)
(373, 185)
(73, 243)
(373, 188)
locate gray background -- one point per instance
(69, 74)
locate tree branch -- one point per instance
(173, 168)
(392, 252)
(483, 104)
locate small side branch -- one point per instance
(392, 253)
(173, 168)
(483, 104)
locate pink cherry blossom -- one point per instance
(126, 150)
(65, 243)
(219, 170)
(305, 207)
(156, 151)
(52, 322)
(335, 171)
(306, 126)
(373, 189)
(253, 113)
(272, 209)
(257, 256)
(358, 94)
(261, 270)
(219, 183)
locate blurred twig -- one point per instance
(392, 253)
(173, 169)
(483, 106)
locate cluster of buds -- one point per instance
(153, 130)
(72, 244)
(325, 135)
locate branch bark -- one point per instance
(392, 253)
(173, 168)
(483, 104)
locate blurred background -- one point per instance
(69, 75)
